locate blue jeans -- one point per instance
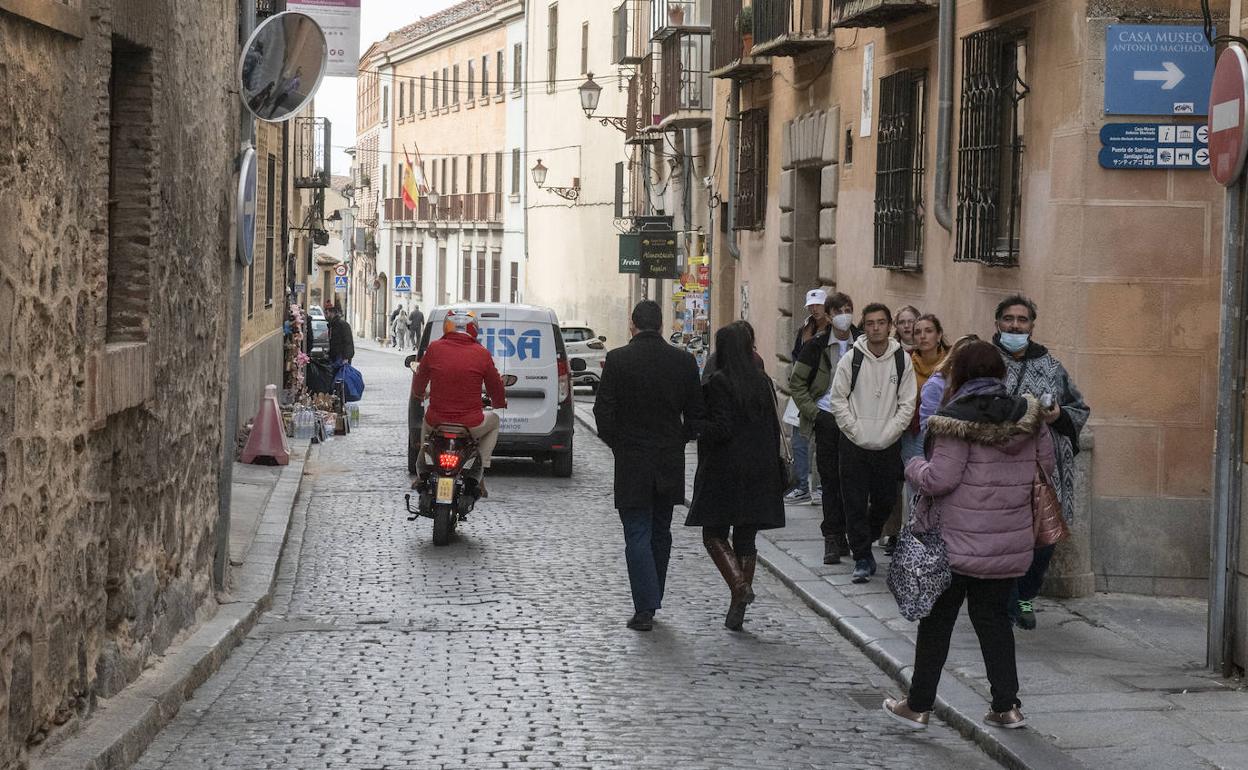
(647, 549)
(911, 447)
(801, 460)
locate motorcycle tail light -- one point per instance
(448, 461)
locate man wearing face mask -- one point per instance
(811, 384)
(1032, 369)
(817, 320)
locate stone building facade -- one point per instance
(117, 155)
(1124, 264)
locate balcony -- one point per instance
(631, 32)
(311, 151)
(792, 27)
(732, 43)
(642, 120)
(460, 207)
(685, 95)
(667, 17)
(877, 13)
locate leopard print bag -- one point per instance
(919, 572)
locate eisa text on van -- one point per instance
(502, 343)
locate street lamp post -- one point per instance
(567, 193)
(590, 93)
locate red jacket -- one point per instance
(456, 366)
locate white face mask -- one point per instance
(842, 321)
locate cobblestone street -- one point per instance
(508, 647)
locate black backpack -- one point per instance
(899, 358)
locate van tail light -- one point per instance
(448, 461)
(565, 381)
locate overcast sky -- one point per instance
(336, 99)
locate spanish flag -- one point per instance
(412, 184)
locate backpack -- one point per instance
(899, 358)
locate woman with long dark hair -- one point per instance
(739, 487)
(981, 454)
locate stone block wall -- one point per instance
(112, 344)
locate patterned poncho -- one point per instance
(1037, 373)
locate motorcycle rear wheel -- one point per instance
(443, 523)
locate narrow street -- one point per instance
(508, 647)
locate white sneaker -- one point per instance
(816, 497)
(796, 496)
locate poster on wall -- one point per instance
(868, 81)
(340, 19)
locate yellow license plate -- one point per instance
(446, 490)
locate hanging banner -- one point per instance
(340, 19)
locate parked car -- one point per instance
(585, 347)
(530, 355)
(319, 342)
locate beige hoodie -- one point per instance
(878, 411)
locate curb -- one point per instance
(957, 704)
(123, 726)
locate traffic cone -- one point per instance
(268, 434)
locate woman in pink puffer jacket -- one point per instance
(981, 453)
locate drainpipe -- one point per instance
(944, 113)
(734, 127)
(233, 304)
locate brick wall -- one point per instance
(108, 452)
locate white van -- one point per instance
(529, 353)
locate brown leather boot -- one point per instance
(724, 558)
(748, 563)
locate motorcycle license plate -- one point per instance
(446, 490)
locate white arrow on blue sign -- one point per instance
(1157, 69)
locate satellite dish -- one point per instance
(282, 66)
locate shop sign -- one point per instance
(658, 255)
(630, 253)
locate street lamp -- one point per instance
(590, 93)
(567, 193)
(432, 196)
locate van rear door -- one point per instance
(524, 350)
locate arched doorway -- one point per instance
(381, 307)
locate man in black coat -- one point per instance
(649, 406)
(341, 343)
(415, 325)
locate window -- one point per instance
(496, 277)
(899, 171)
(444, 176)
(485, 76)
(402, 102)
(515, 282)
(454, 175)
(411, 96)
(398, 260)
(481, 275)
(751, 202)
(498, 184)
(455, 84)
(270, 227)
(383, 188)
(446, 87)
(434, 80)
(385, 104)
(435, 175)
(472, 79)
(468, 174)
(584, 48)
(422, 93)
(485, 157)
(619, 190)
(515, 171)
(552, 45)
(517, 70)
(847, 151)
(131, 169)
(418, 280)
(466, 284)
(990, 147)
(407, 260)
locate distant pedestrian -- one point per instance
(738, 486)
(932, 394)
(904, 323)
(982, 450)
(873, 398)
(415, 325)
(811, 387)
(816, 322)
(1032, 369)
(399, 329)
(649, 406)
(394, 314)
(341, 341)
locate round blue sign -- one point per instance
(245, 215)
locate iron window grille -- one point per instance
(751, 201)
(990, 147)
(899, 210)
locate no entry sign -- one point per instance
(1228, 100)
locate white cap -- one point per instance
(816, 297)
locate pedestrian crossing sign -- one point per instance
(403, 284)
(340, 283)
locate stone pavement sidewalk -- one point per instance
(1112, 681)
(262, 500)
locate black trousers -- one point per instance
(868, 491)
(828, 460)
(743, 538)
(986, 605)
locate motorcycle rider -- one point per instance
(455, 368)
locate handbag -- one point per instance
(787, 473)
(919, 572)
(1048, 524)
